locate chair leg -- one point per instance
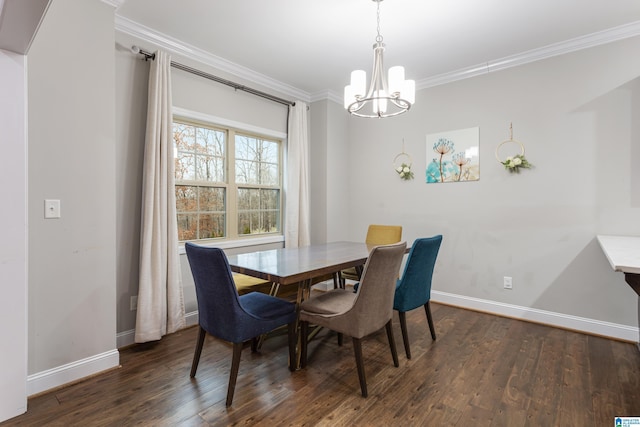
(304, 338)
(255, 341)
(392, 344)
(235, 364)
(339, 339)
(405, 334)
(427, 308)
(196, 355)
(357, 349)
(292, 346)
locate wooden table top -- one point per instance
(293, 265)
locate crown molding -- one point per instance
(572, 45)
(331, 95)
(115, 3)
(178, 47)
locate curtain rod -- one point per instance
(236, 86)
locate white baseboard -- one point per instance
(565, 321)
(127, 338)
(56, 377)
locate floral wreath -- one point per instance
(514, 163)
(404, 170)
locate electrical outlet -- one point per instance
(508, 282)
(51, 208)
(133, 303)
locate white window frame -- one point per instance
(236, 241)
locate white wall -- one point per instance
(574, 114)
(338, 172)
(330, 164)
(13, 243)
(72, 310)
(318, 170)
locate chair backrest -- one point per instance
(383, 234)
(373, 307)
(219, 309)
(414, 288)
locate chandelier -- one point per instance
(385, 98)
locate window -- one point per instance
(228, 182)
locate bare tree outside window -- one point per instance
(257, 168)
(199, 165)
(202, 182)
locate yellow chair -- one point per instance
(246, 284)
(376, 235)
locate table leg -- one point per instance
(634, 281)
(304, 290)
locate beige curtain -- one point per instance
(297, 223)
(160, 297)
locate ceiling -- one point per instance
(314, 45)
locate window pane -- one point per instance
(211, 199)
(270, 199)
(187, 226)
(210, 169)
(211, 226)
(199, 153)
(258, 211)
(244, 224)
(271, 221)
(270, 151)
(210, 141)
(248, 199)
(186, 198)
(257, 161)
(184, 140)
(243, 199)
(185, 166)
(249, 223)
(246, 172)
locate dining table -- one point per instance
(300, 266)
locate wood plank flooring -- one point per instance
(482, 370)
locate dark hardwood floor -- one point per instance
(483, 370)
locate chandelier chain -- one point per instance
(379, 36)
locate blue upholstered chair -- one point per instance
(413, 290)
(232, 317)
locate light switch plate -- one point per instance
(52, 208)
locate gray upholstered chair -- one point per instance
(376, 235)
(360, 313)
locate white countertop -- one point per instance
(623, 252)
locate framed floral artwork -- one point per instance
(453, 156)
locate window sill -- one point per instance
(239, 243)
